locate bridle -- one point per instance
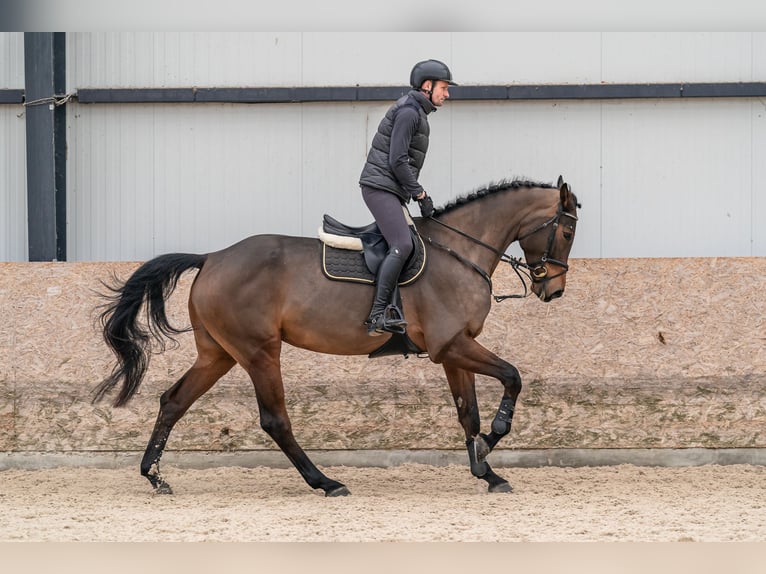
(536, 272)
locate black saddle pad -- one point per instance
(348, 265)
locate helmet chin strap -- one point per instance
(429, 92)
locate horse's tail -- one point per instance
(131, 342)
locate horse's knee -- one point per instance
(275, 425)
(170, 405)
(468, 416)
(511, 379)
(170, 409)
(501, 424)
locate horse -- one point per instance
(251, 297)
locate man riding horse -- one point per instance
(389, 179)
(250, 298)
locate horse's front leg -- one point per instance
(265, 371)
(463, 387)
(467, 356)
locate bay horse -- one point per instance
(249, 298)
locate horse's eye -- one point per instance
(569, 233)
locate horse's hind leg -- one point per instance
(266, 375)
(463, 386)
(211, 364)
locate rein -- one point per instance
(535, 272)
(514, 262)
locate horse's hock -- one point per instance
(639, 353)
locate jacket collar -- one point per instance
(424, 102)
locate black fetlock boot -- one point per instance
(388, 275)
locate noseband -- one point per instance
(537, 272)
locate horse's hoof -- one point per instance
(337, 491)
(500, 487)
(163, 488)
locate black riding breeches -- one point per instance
(386, 208)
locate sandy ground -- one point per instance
(411, 502)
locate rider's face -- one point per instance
(440, 91)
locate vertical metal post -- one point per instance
(45, 77)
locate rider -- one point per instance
(390, 178)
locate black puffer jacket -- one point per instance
(399, 147)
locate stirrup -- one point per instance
(393, 320)
(375, 325)
(390, 320)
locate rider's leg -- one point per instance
(388, 273)
(387, 211)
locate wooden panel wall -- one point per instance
(658, 353)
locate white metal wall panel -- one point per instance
(335, 140)
(13, 185)
(677, 178)
(110, 183)
(369, 59)
(758, 166)
(535, 140)
(11, 60)
(499, 58)
(759, 56)
(202, 177)
(147, 179)
(182, 59)
(174, 59)
(13, 195)
(641, 57)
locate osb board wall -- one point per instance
(665, 353)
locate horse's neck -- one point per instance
(497, 220)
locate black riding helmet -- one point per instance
(430, 70)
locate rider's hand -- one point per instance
(426, 205)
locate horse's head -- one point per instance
(547, 244)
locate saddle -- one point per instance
(355, 253)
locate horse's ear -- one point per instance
(568, 199)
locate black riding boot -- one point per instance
(388, 274)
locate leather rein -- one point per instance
(536, 272)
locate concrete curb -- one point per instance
(389, 458)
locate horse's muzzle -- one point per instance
(545, 296)
(555, 295)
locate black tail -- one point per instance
(131, 342)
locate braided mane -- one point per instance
(489, 189)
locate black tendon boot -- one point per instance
(379, 320)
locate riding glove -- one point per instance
(426, 206)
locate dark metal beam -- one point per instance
(237, 95)
(384, 93)
(44, 72)
(11, 96)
